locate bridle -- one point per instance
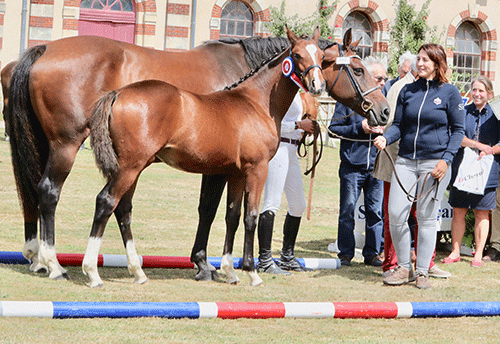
(366, 105)
(303, 74)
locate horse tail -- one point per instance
(28, 142)
(100, 138)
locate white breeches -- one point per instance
(285, 175)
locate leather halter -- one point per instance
(300, 74)
(366, 105)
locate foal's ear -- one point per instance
(292, 38)
(316, 34)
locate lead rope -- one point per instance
(411, 197)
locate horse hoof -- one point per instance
(204, 275)
(98, 284)
(39, 269)
(141, 281)
(257, 284)
(60, 277)
(255, 280)
(215, 275)
(207, 276)
(233, 281)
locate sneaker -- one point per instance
(401, 275)
(373, 261)
(492, 255)
(345, 261)
(423, 281)
(436, 272)
(387, 273)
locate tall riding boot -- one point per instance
(290, 231)
(265, 234)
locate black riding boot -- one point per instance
(265, 235)
(290, 231)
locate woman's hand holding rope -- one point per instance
(380, 142)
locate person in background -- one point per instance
(404, 67)
(383, 170)
(355, 172)
(482, 133)
(429, 124)
(493, 253)
(284, 174)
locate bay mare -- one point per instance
(55, 85)
(232, 133)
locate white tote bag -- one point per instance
(473, 174)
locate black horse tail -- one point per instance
(28, 142)
(100, 138)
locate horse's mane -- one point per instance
(324, 44)
(260, 51)
(256, 69)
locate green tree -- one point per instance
(299, 25)
(409, 31)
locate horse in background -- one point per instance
(233, 133)
(6, 76)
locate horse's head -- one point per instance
(349, 82)
(307, 57)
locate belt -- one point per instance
(292, 141)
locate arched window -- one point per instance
(112, 5)
(107, 18)
(467, 55)
(361, 28)
(236, 20)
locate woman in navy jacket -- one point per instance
(482, 133)
(429, 122)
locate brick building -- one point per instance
(469, 27)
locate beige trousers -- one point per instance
(495, 223)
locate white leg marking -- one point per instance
(134, 264)
(31, 251)
(227, 265)
(48, 257)
(89, 264)
(255, 280)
